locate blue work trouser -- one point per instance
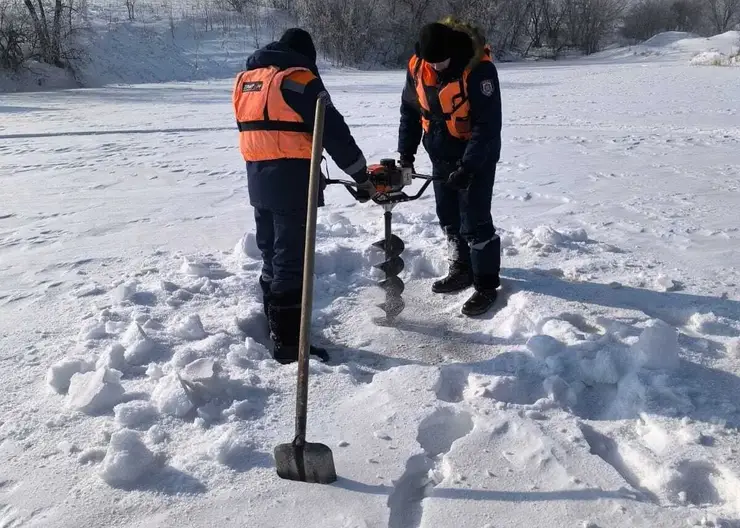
(281, 237)
(465, 218)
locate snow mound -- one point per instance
(170, 397)
(230, 447)
(92, 331)
(504, 388)
(664, 283)
(251, 320)
(113, 357)
(202, 370)
(559, 391)
(543, 346)
(125, 291)
(733, 348)
(61, 373)
(546, 235)
(36, 76)
(156, 434)
(95, 392)
(190, 328)
(518, 318)
(255, 350)
(543, 239)
(668, 38)
(183, 52)
(339, 259)
(712, 324)
(601, 369)
(134, 413)
(712, 58)
(657, 347)
(423, 264)
(335, 225)
(247, 247)
(679, 46)
(126, 460)
(202, 268)
(139, 347)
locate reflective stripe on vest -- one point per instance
(453, 99)
(268, 127)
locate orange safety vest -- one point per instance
(453, 98)
(269, 128)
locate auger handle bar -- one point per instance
(385, 198)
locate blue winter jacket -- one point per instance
(483, 150)
(282, 185)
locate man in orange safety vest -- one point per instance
(274, 104)
(452, 100)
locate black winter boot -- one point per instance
(458, 278)
(479, 303)
(484, 297)
(265, 296)
(285, 328)
(266, 300)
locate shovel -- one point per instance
(300, 460)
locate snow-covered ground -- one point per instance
(603, 392)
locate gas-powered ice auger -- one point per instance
(389, 181)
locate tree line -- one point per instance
(383, 32)
(357, 32)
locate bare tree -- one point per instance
(589, 22)
(13, 36)
(553, 20)
(130, 8)
(243, 7)
(687, 15)
(647, 18)
(51, 34)
(41, 28)
(535, 28)
(417, 9)
(723, 14)
(545, 25)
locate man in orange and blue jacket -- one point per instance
(452, 99)
(274, 104)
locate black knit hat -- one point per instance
(435, 41)
(299, 41)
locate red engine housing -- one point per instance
(386, 176)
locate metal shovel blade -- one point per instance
(308, 462)
(396, 247)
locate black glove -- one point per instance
(459, 179)
(365, 188)
(365, 191)
(407, 162)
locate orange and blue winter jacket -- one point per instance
(274, 104)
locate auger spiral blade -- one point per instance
(391, 267)
(392, 307)
(393, 286)
(396, 246)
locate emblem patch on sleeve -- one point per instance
(255, 86)
(486, 88)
